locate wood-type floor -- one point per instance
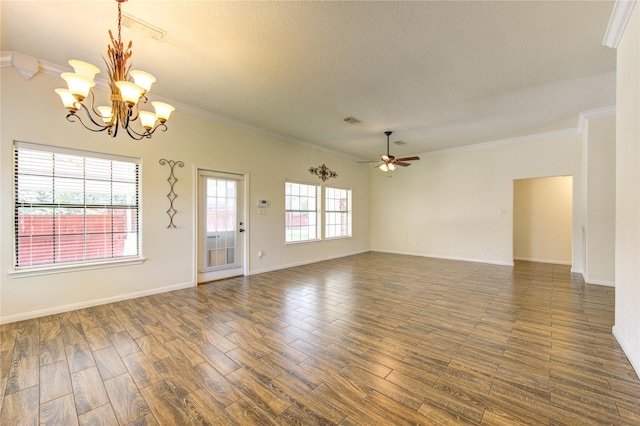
(370, 339)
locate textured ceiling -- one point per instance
(439, 74)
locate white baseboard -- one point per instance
(555, 262)
(633, 358)
(255, 271)
(89, 303)
(435, 256)
(600, 282)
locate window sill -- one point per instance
(297, 243)
(84, 266)
(346, 237)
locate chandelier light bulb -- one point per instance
(106, 112)
(78, 85)
(147, 119)
(68, 100)
(142, 79)
(163, 110)
(392, 167)
(130, 92)
(85, 69)
(384, 167)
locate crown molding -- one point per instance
(585, 116)
(618, 22)
(205, 115)
(7, 60)
(503, 142)
(26, 66)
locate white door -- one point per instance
(221, 225)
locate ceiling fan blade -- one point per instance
(385, 157)
(408, 159)
(399, 163)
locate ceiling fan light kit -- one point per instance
(126, 95)
(388, 162)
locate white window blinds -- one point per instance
(73, 206)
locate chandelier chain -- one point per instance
(119, 21)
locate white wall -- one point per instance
(450, 203)
(627, 322)
(32, 112)
(600, 157)
(542, 217)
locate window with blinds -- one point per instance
(73, 206)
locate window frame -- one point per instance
(317, 212)
(82, 264)
(348, 212)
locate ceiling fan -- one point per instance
(388, 162)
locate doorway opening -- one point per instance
(542, 219)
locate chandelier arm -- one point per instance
(148, 133)
(132, 133)
(134, 112)
(160, 126)
(72, 115)
(93, 105)
(127, 121)
(135, 135)
(113, 132)
(125, 115)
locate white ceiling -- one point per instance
(439, 74)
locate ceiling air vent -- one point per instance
(352, 120)
(142, 27)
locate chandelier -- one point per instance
(126, 95)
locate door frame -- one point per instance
(575, 238)
(196, 220)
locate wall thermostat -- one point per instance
(263, 203)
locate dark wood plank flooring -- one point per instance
(365, 340)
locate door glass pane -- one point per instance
(221, 220)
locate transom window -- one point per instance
(302, 212)
(73, 206)
(337, 208)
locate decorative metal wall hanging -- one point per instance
(322, 172)
(172, 194)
